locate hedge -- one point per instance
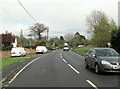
(5, 48)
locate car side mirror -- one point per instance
(87, 54)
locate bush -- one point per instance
(6, 48)
(33, 47)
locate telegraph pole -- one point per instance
(47, 36)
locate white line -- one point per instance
(22, 70)
(91, 84)
(64, 60)
(61, 57)
(73, 69)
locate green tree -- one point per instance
(61, 38)
(61, 42)
(78, 39)
(100, 28)
(75, 43)
(6, 32)
(54, 41)
(42, 42)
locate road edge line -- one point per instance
(21, 70)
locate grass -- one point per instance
(83, 51)
(11, 60)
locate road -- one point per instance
(61, 69)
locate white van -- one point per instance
(41, 49)
(18, 51)
(66, 48)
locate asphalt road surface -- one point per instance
(61, 69)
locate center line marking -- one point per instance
(64, 60)
(74, 69)
(91, 84)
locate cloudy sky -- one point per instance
(61, 16)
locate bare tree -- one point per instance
(37, 29)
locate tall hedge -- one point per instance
(115, 40)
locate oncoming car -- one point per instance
(103, 60)
(41, 49)
(66, 48)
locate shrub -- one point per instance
(6, 48)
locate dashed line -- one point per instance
(74, 69)
(91, 84)
(64, 60)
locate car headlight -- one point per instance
(105, 62)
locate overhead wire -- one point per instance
(27, 11)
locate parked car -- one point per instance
(103, 60)
(18, 51)
(41, 49)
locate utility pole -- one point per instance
(30, 38)
(47, 36)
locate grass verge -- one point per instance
(11, 60)
(83, 51)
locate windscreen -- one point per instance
(106, 52)
(65, 46)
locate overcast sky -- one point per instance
(61, 16)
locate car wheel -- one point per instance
(97, 71)
(86, 64)
(21, 55)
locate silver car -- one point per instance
(103, 60)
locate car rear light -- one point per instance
(19, 52)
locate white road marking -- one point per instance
(74, 69)
(64, 60)
(24, 68)
(21, 71)
(91, 84)
(61, 57)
